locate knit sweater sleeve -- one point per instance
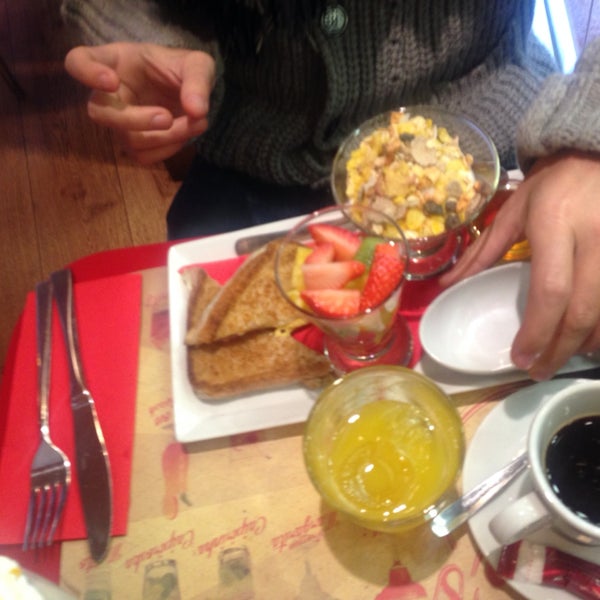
(104, 21)
(565, 114)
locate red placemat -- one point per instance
(108, 313)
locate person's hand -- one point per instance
(557, 208)
(156, 98)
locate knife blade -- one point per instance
(91, 456)
(499, 391)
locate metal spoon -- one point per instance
(462, 509)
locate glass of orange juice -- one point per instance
(384, 445)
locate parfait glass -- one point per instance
(373, 336)
(432, 254)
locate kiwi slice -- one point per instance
(366, 250)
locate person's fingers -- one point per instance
(547, 301)
(592, 343)
(581, 313)
(197, 82)
(144, 146)
(110, 110)
(562, 229)
(93, 66)
(492, 244)
(155, 155)
(556, 209)
(470, 262)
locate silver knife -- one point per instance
(91, 457)
(247, 245)
(460, 511)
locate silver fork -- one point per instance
(50, 469)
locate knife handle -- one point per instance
(62, 282)
(43, 315)
(247, 245)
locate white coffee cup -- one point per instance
(542, 506)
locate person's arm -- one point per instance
(566, 113)
(104, 21)
(557, 209)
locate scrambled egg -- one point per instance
(415, 172)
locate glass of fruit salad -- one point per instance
(343, 268)
(431, 170)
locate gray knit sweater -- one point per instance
(280, 114)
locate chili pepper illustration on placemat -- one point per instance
(401, 585)
(175, 470)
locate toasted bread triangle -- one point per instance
(259, 360)
(241, 364)
(203, 289)
(249, 301)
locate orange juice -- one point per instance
(386, 460)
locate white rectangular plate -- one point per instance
(197, 419)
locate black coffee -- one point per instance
(573, 467)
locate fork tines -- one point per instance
(45, 508)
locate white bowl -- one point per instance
(470, 327)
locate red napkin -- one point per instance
(416, 296)
(108, 317)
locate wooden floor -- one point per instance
(67, 190)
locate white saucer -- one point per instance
(470, 326)
(499, 438)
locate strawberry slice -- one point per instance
(345, 242)
(322, 253)
(331, 275)
(332, 303)
(385, 275)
